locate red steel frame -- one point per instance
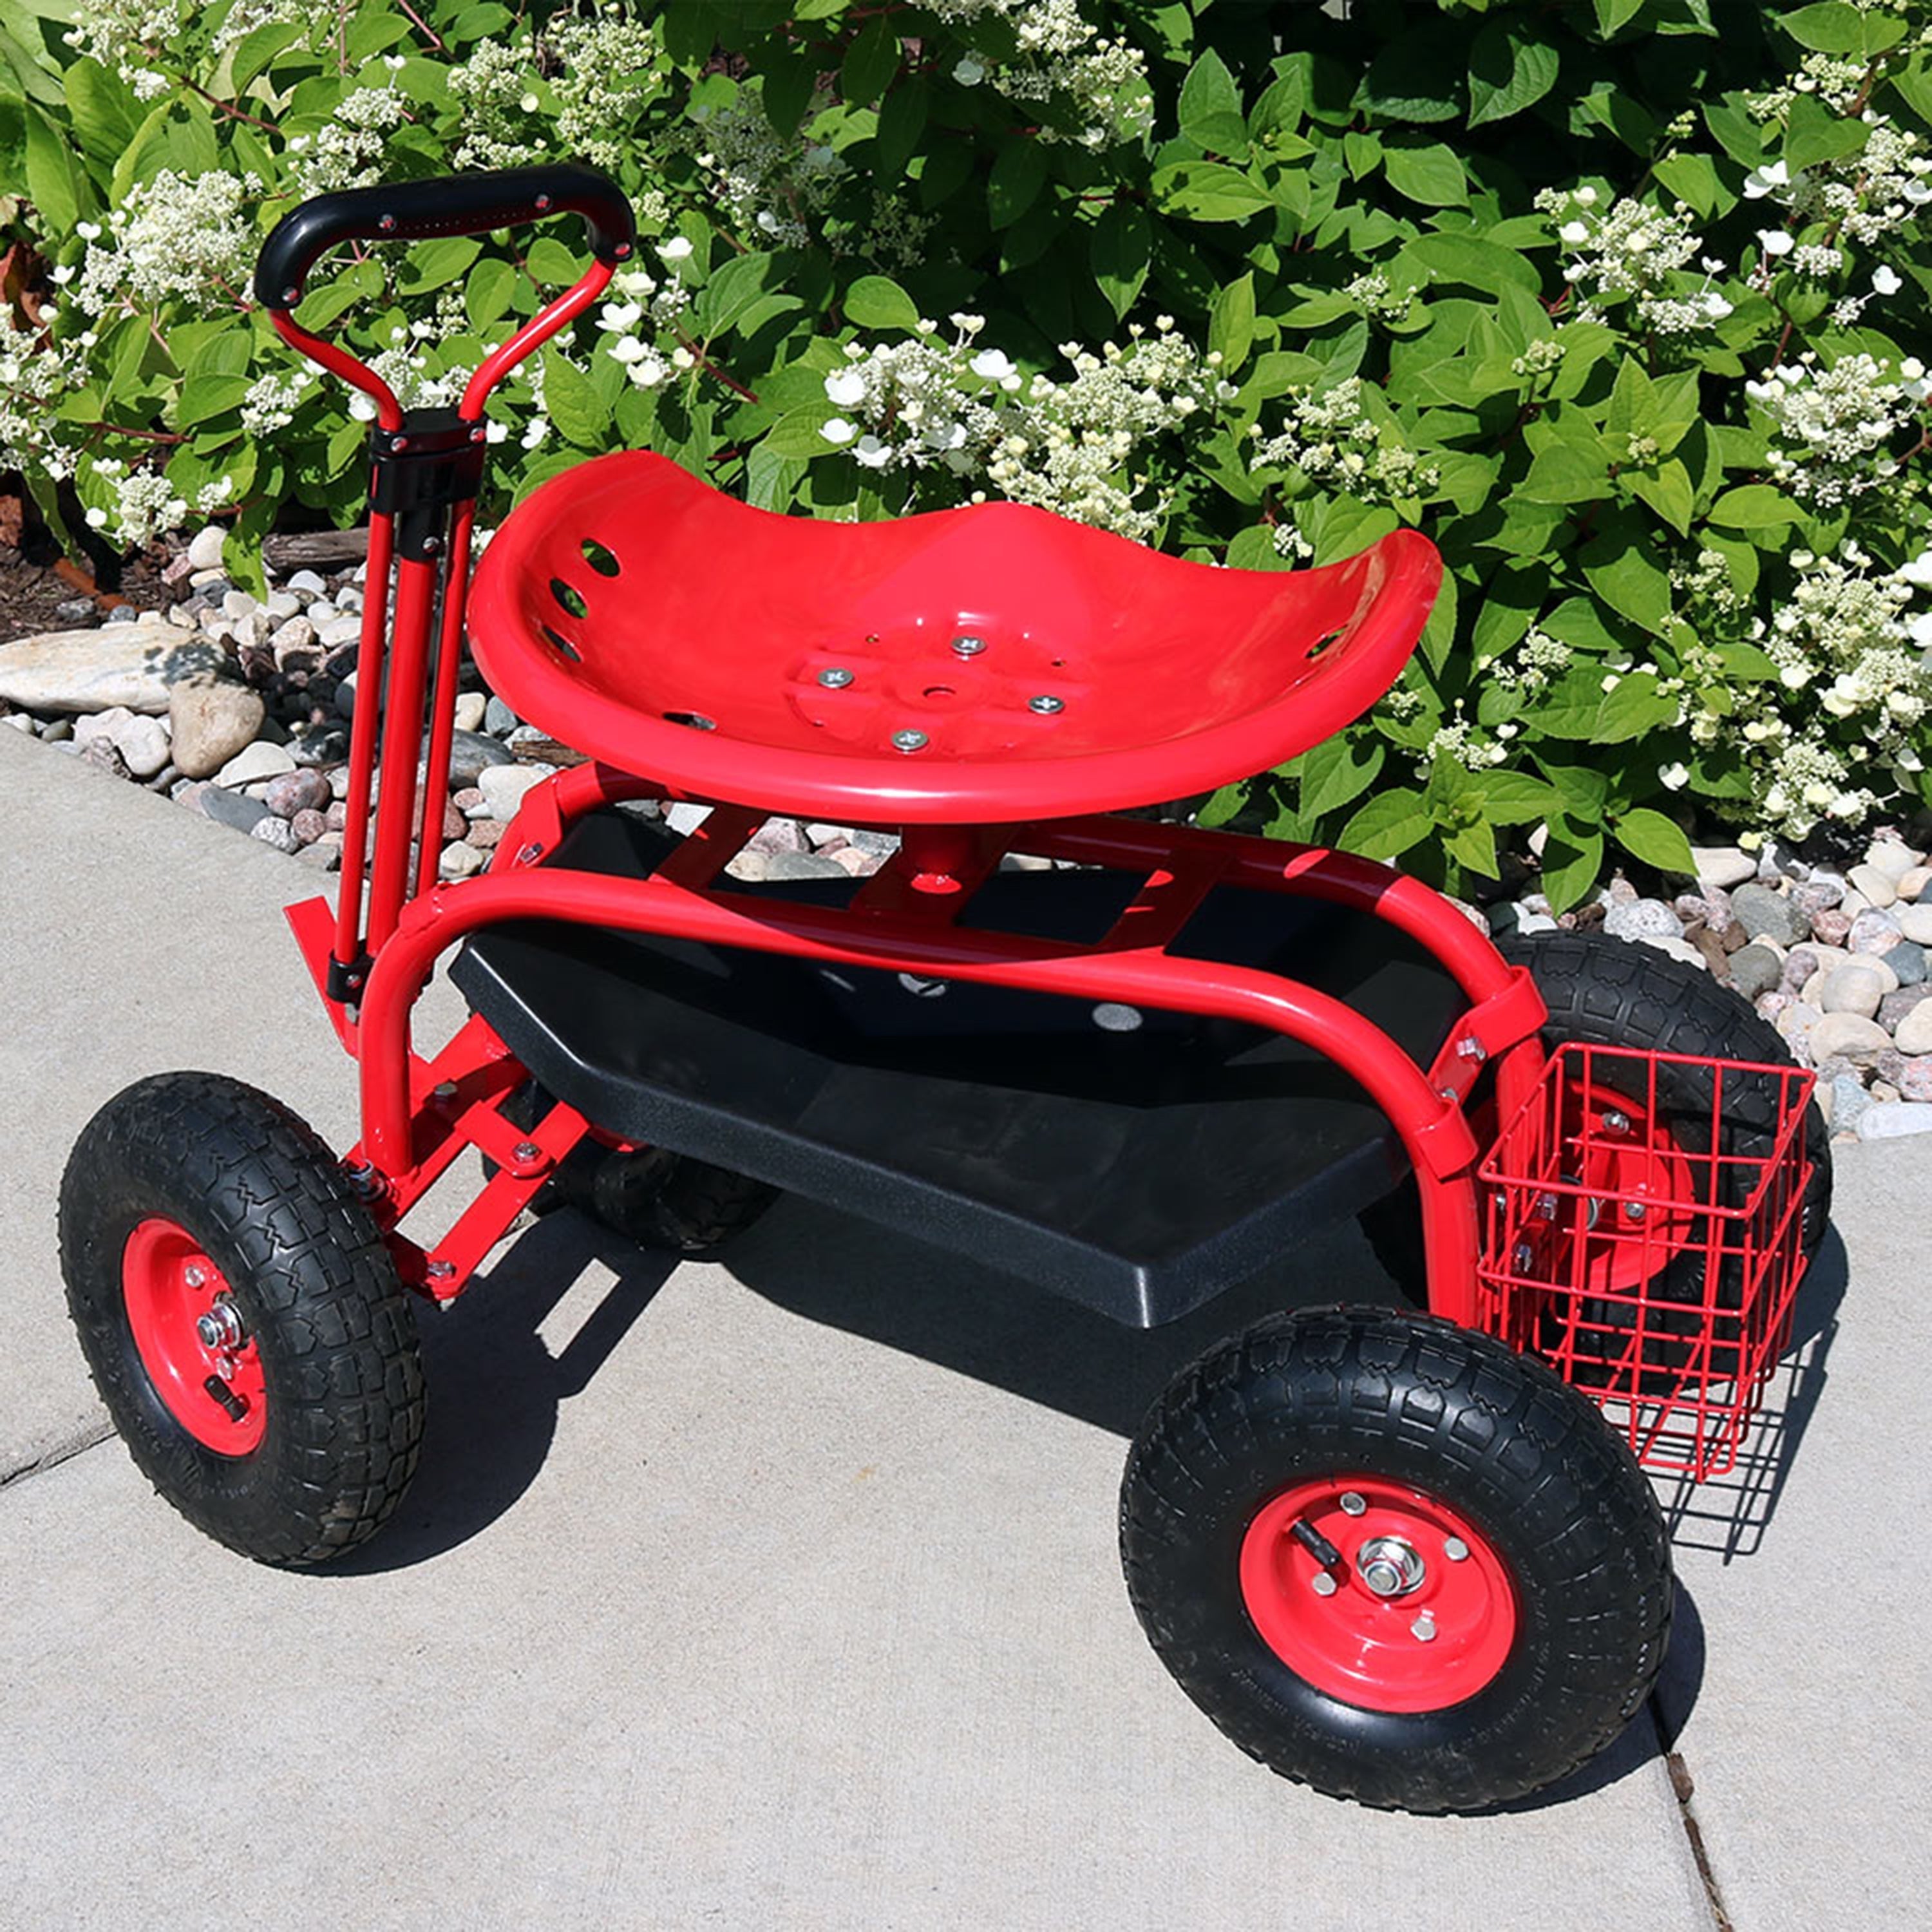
(418, 1115)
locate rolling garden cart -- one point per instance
(1407, 1556)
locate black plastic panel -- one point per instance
(1139, 1163)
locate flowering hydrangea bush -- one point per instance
(1622, 302)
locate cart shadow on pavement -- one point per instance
(496, 1387)
(1729, 1515)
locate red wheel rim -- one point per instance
(1639, 1161)
(210, 1382)
(1439, 1636)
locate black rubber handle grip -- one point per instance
(468, 204)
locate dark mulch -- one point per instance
(30, 588)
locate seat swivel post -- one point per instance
(420, 472)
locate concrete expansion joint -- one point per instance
(91, 1437)
(1684, 1788)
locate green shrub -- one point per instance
(1619, 302)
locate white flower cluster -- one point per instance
(1835, 423)
(173, 239)
(1098, 86)
(1539, 660)
(1867, 195)
(597, 70)
(921, 403)
(1855, 661)
(146, 505)
(347, 151)
(1631, 251)
(1370, 293)
(270, 405)
(127, 36)
(35, 373)
(1330, 438)
(1456, 739)
(646, 312)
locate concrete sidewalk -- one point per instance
(788, 1596)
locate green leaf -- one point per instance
(871, 61)
(1513, 798)
(1507, 73)
(50, 182)
(572, 403)
(1754, 506)
(1417, 76)
(1668, 492)
(1632, 708)
(204, 397)
(550, 263)
(1831, 27)
(259, 48)
(902, 122)
(1572, 861)
(101, 111)
(488, 293)
(786, 89)
(1118, 254)
(1019, 173)
(1337, 772)
(799, 433)
(1473, 848)
(1813, 133)
(1209, 191)
(877, 302)
(1692, 179)
(1612, 15)
(1210, 107)
(731, 292)
(1656, 840)
(1388, 825)
(434, 265)
(1564, 474)
(1230, 329)
(1623, 571)
(1472, 262)
(1432, 175)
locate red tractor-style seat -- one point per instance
(987, 665)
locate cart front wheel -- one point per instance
(241, 1318)
(1395, 1560)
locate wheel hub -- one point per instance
(1378, 1593)
(191, 1339)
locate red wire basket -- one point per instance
(1642, 1216)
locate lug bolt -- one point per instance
(1424, 1628)
(527, 1150)
(1351, 1504)
(834, 679)
(1616, 1123)
(1046, 704)
(909, 741)
(969, 647)
(1633, 1210)
(1322, 1584)
(1455, 1549)
(194, 1275)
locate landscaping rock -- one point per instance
(1850, 1036)
(205, 552)
(231, 807)
(1831, 925)
(1723, 865)
(276, 831)
(503, 786)
(498, 718)
(1877, 886)
(1677, 949)
(470, 754)
(460, 861)
(1852, 989)
(470, 706)
(1893, 858)
(1915, 923)
(1643, 918)
(803, 866)
(1894, 1120)
(253, 763)
(1874, 931)
(92, 670)
(308, 826)
(295, 791)
(1765, 914)
(1907, 961)
(1755, 969)
(1914, 1032)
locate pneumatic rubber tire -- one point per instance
(1399, 1404)
(326, 1439)
(1603, 991)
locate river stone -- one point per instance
(1874, 931)
(503, 786)
(1846, 1099)
(1831, 925)
(1852, 1036)
(1877, 886)
(1643, 918)
(93, 670)
(470, 706)
(295, 791)
(460, 861)
(276, 831)
(803, 866)
(308, 825)
(212, 721)
(1723, 865)
(231, 808)
(499, 717)
(470, 753)
(1915, 888)
(1914, 921)
(1765, 913)
(1819, 893)
(1755, 969)
(205, 552)
(1907, 961)
(1893, 1120)
(1914, 1032)
(1893, 858)
(254, 762)
(1852, 989)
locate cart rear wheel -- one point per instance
(241, 1318)
(1603, 991)
(650, 1195)
(1395, 1560)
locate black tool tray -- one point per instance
(1137, 1161)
